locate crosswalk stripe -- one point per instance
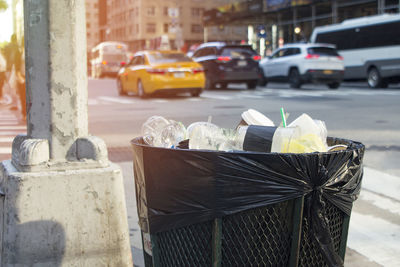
(13, 127)
(375, 238)
(381, 202)
(5, 150)
(8, 133)
(9, 122)
(6, 139)
(388, 185)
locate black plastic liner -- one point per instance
(180, 187)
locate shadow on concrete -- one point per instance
(48, 239)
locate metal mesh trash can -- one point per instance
(279, 232)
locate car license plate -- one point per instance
(242, 63)
(179, 74)
(328, 72)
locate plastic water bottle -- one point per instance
(160, 132)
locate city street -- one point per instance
(353, 111)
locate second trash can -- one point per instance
(212, 208)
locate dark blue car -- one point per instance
(228, 63)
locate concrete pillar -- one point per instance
(381, 6)
(205, 34)
(294, 24)
(64, 202)
(313, 14)
(334, 12)
(50, 116)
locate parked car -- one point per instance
(192, 49)
(227, 63)
(304, 63)
(151, 72)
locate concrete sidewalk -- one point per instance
(353, 257)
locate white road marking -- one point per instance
(251, 96)
(194, 99)
(13, 127)
(6, 139)
(5, 150)
(116, 100)
(375, 238)
(10, 133)
(93, 102)
(381, 202)
(13, 122)
(159, 101)
(381, 183)
(219, 97)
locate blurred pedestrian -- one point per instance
(15, 76)
(13, 55)
(2, 74)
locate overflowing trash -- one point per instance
(255, 132)
(195, 182)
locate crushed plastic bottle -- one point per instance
(206, 135)
(160, 132)
(303, 135)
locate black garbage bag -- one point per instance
(180, 187)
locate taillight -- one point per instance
(224, 59)
(257, 58)
(340, 57)
(311, 56)
(198, 70)
(156, 71)
(104, 62)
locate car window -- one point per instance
(322, 51)
(199, 53)
(293, 51)
(157, 58)
(137, 60)
(209, 51)
(235, 52)
(288, 52)
(279, 53)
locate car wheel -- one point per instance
(209, 84)
(195, 93)
(294, 78)
(375, 80)
(141, 91)
(384, 84)
(263, 81)
(333, 85)
(223, 85)
(252, 85)
(120, 87)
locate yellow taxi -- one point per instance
(150, 72)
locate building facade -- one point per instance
(92, 24)
(143, 24)
(287, 21)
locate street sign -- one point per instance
(173, 12)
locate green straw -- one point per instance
(283, 118)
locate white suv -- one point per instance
(304, 63)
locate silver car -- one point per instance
(304, 63)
